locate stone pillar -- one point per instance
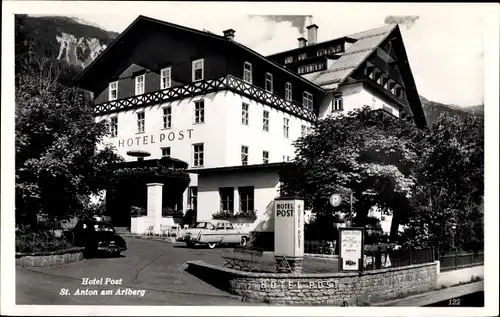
(236, 202)
(155, 197)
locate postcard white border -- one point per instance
(491, 35)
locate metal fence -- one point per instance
(397, 258)
(458, 260)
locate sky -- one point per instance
(444, 46)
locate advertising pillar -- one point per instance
(289, 234)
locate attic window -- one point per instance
(113, 91)
(288, 59)
(269, 82)
(198, 66)
(139, 84)
(247, 72)
(307, 100)
(302, 56)
(166, 78)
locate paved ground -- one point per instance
(158, 268)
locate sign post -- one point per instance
(351, 250)
(289, 234)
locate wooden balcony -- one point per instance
(228, 82)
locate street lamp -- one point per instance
(453, 227)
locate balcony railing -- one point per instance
(228, 82)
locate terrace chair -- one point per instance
(150, 230)
(163, 230)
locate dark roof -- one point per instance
(81, 79)
(238, 168)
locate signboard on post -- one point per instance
(351, 249)
(288, 227)
(335, 200)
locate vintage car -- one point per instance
(213, 233)
(97, 237)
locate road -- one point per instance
(157, 268)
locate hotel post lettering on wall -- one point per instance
(351, 255)
(289, 234)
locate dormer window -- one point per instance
(166, 78)
(247, 72)
(307, 100)
(269, 82)
(139, 85)
(302, 56)
(288, 91)
(288, 59)
(337, 104)
(198, 69)
(113, 91)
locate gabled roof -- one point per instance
(113, 48)
(356, 54)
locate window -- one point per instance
(307, 100)
(167, 117)
(302, 56)
(286, 127)
(166, 78)
(288, 59)
(244, 155)
(165, 151)
(141, 121)
(198, 154)
(199, 111)
(226, 198)
(198, 70)
(244, 113)
(114, 126)
(247, 72)
(303, 130)
(337, 104)
(286, 158)
(269, 82)
(193, 197)
(288, 91)
(139, 84)
(246, 198)
(265, 121)
(265, 157)
(113, 91)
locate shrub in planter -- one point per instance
(226, 214)
(171, 212)
(136, 211)
(40, 241)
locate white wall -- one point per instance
(266, 189)
(253, 136)
(223, 133)
(356, 96)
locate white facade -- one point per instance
(357, 96)
(223, 133)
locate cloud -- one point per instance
(407, 20)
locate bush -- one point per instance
(171, 212)
(136, 211)
(40, 241)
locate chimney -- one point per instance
(312, 33)
(229, 34)
(302, 42)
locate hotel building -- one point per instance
(232, 114)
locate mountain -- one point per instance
(433, 110)
(78, 42)
(67, 39)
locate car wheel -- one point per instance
(243, 241)
(190, 244)
(211, 245)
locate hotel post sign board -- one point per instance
(289, 228)
(351, 249)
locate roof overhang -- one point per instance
(239, 168)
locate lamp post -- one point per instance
(453, 227)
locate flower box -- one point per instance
(228, 215)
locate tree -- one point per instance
(369, 153)
(449, 196)
(60, 158)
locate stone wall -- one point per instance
(337, 289)
(56, 258)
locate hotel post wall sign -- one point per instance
(156, 138)
(351, 255)
(288, 228)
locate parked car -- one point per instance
(213, 233)
(97, 237)
(102, 218)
